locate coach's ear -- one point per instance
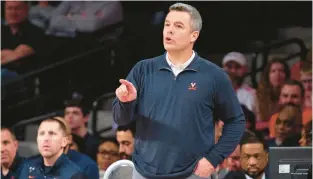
(194, 36)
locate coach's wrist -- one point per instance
(213, 158)
(126, 105)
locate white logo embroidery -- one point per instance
(193, 85)
(31, 169)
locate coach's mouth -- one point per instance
(168, 40)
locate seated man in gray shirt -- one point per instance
(40, 14)
(83, 16)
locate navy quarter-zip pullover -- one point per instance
(63, 168)
(174, 115)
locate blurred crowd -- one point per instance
(278, 113)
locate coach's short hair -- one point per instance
(196, 20)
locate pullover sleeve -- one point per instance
(123, 113)
(227, 109)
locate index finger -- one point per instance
(126, 83)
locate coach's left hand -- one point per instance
(204, 168)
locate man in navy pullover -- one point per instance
(174, 98)
(52, 163)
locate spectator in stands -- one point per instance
(232, 163)
(273, 77)
(19, 37)
(107, 154)
(77, 143)
(296, 68)
(292, 92)
(253, 159)
(125, 136)
(86, 164)
(306, 135)
(40, 14)
(288, 124)
(306, 80)
(11, 162)
(52, 140)
(76, 115)
(71, 17)
(235, 64)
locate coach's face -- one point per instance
(178, 33)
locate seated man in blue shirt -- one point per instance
(76, 115)
(52, 141)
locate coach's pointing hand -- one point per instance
(126, 92)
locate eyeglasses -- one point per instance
(111, 153)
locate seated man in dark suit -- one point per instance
(253, 159)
